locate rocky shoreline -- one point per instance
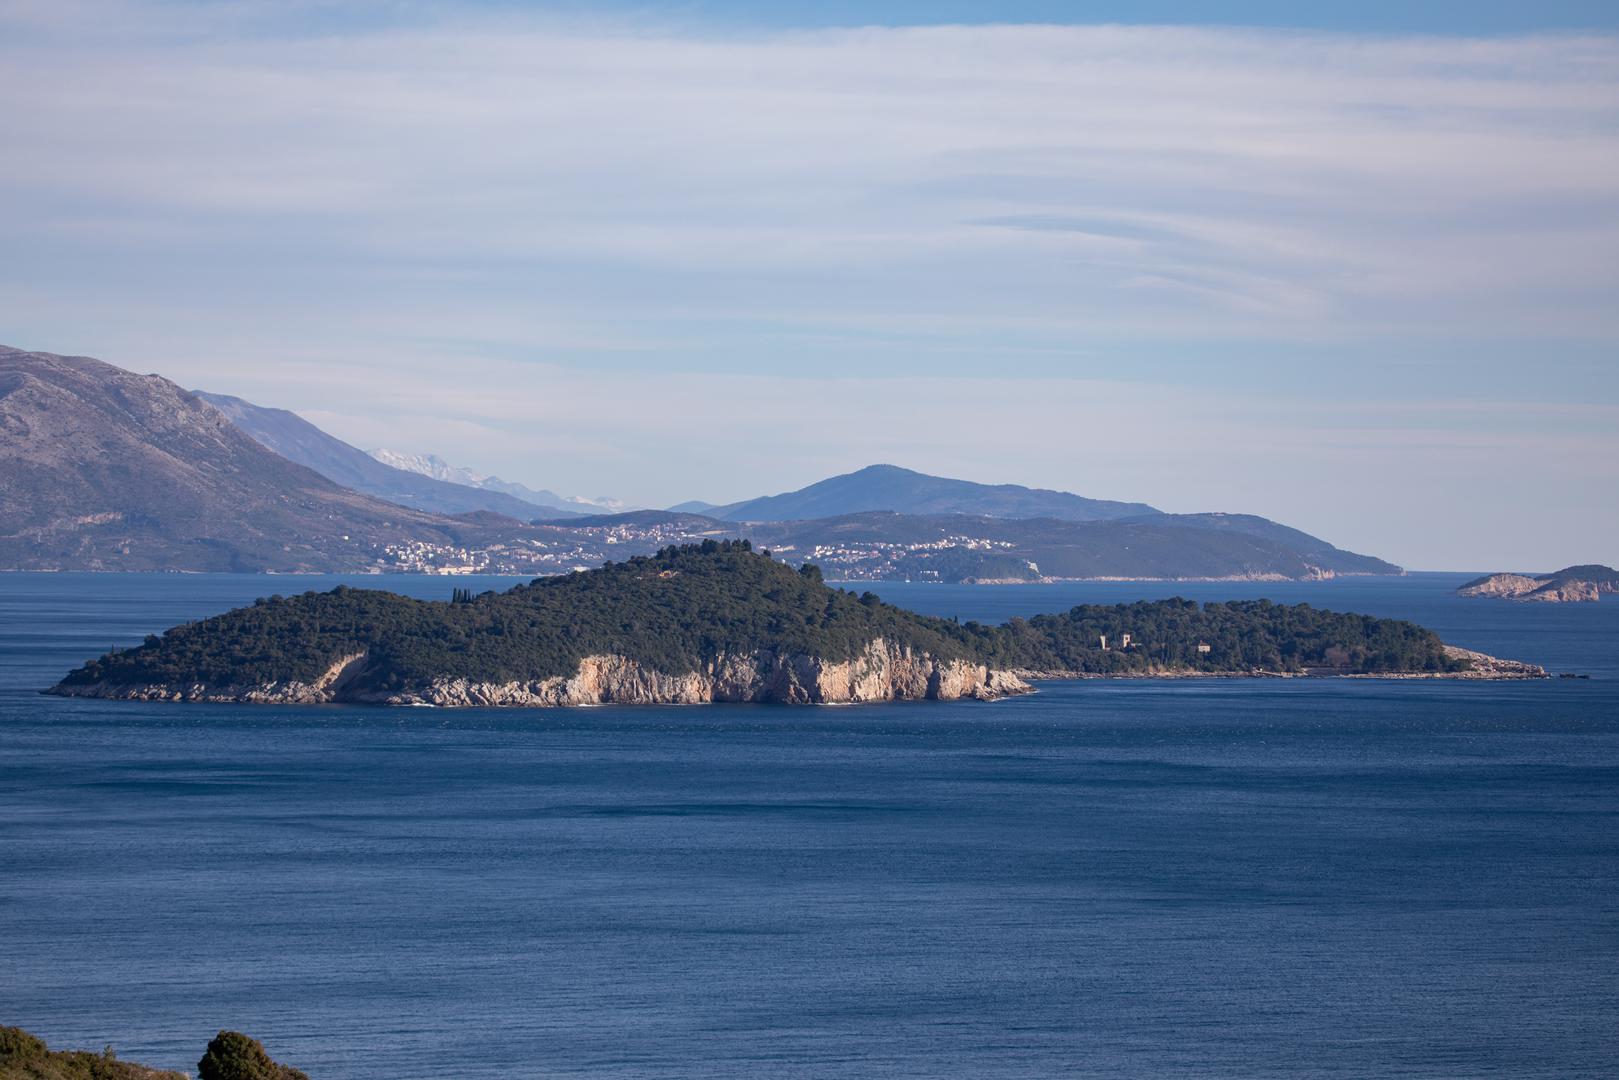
(1571, 585)
(880, 673)
(1485, 668)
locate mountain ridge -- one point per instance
(891, 487)
(101, 468)
(296, 439)
(431, 465)
(885, 545)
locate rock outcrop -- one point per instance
(882, 672)
(1502, 585)
(1574, 584)
(1484, 666)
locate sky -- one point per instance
(1354, 267)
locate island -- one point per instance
(721, 622)
(1572, 584)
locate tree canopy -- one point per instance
(234, 1056)
(684, 606)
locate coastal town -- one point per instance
(564, 549)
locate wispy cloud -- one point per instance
(1362, 171)
(287, 196)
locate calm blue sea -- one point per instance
(1195, 879)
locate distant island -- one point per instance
(719, 622)
(1572, 584)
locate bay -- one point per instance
(1193, 878)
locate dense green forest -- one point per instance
(675, 610)
(1240, 635)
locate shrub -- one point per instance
(234, 1056)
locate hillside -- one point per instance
(708, 623)
(1572, 584)
(704, 623)
(101, 469)
(886, 546)
(889, 487)
(26, 1057)
(1312, 550)
(297, 440)
(1162, 546)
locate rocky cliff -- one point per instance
(1572, 584)
(882, 672)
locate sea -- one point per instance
(1191, 878)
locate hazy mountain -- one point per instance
(693, 506)
(1312, 549)
(432, 465)
(882, 545)
(436, 467)
(889, 487)
(104, 469)
(1033, 532)
(1163, 546)
(296, 439)
(101, 468)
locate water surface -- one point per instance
(1199, 878)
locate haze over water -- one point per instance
(1195, 878)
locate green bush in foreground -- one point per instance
(231, 1056)
(234, 1056)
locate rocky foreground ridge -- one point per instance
(1572, 584)
(230, 1056)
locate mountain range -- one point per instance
(436, 467)
(883, 545)
(297, 440)
(104, 469)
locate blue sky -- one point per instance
(1358, 275)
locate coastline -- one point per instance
(1486, 668)
(1257, 578)
(613, 681)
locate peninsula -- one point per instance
(719, 622)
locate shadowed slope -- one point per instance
(101, 468)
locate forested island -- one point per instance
(716, 622)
